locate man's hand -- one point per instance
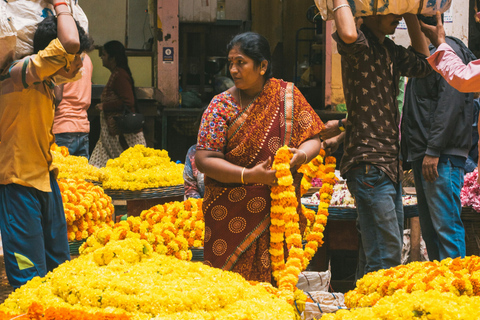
(331, 130)
(429, 168)
(436, 34)
(331, 145)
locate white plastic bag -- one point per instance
(8, 39)
(25, 15)
(372, 7)
(314, 281)
(323, 302)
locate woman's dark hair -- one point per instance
(47, 31)
(256, 47)
(115, 49)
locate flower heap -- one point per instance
(128, 278)
(169, 228)
(416, 305)
(470, 194)
(140, 168)
(87, 208)
(456, 276)
(284, 223)
(73, 167)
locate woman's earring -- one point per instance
(262, 72)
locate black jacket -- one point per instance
(437, 119)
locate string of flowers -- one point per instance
(72, 167)
(457, 276)
(128, 278)
(87, 208)
(139, 168)
(37, 312)
(170, 228)
(285, 226)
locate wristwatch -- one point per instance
(340, 125)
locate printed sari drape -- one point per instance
(237, 216)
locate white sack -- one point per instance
(314, 281)
(8, 39)
(324, 302)
(23, 16)
(367, 7)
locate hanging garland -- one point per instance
(284, 220)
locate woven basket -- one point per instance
(471, 222)
(197, 254)
(74, 246)
(150, 193)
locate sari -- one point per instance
(237, 216)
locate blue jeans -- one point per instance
(439, 209)
(380, 218)
(76, 142)
(34, 231)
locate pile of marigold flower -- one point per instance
(457, 276)
(140, 168)
(72, 167)
(87, 208)
(416, 305)
(170, 228)
(128, 278)
(284, 221)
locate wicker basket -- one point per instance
(150, 193)
(471, 222)
(74, 246)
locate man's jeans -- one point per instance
(76, 142)
(439, 209)
(380, 218)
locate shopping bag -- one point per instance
(373, 7)
(321, 302)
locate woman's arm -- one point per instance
(214, 165)
(308, 150)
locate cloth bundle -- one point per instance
(18, 22)
(373, 7)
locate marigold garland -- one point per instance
(140, 168)
(457, 276)
(37, 312)
(72, 167)
(170, 228)
(87, 208)
(284, 222)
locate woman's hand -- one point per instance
(261, 173)
(299, 157)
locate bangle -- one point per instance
(306, 157)
(241, 177)
(341, 6)
(59, 3)
(64, 12)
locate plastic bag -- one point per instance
(23, 16)
(320, 302)
(372, 7)
(314, 281)
(8, 39)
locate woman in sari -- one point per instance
(118, 92)
(240, 132)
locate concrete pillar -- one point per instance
(167, 59)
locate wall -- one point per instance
(456, 24)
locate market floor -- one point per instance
(5, 288)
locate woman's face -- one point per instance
(243, 70)
(107, 61)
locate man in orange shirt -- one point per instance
(70, 125)
(32, 220)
